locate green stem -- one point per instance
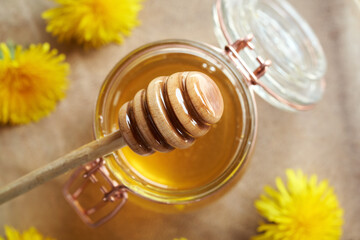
(11, 45)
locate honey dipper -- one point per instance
(169, 114)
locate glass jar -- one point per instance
(184, 178)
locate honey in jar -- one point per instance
(180, 175)
(202, 162)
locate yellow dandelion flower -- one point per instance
(30, 234)
(92, 23)
(31, 82)
(303, 210)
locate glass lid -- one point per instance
(295, 79)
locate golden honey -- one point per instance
(209, 156)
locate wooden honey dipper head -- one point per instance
(171, 112)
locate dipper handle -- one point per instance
(169, 114)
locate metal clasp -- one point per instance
(232, 50)
(112, 195)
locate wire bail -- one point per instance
(113, 193)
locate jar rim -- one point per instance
(181, 196)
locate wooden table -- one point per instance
(325, 141)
